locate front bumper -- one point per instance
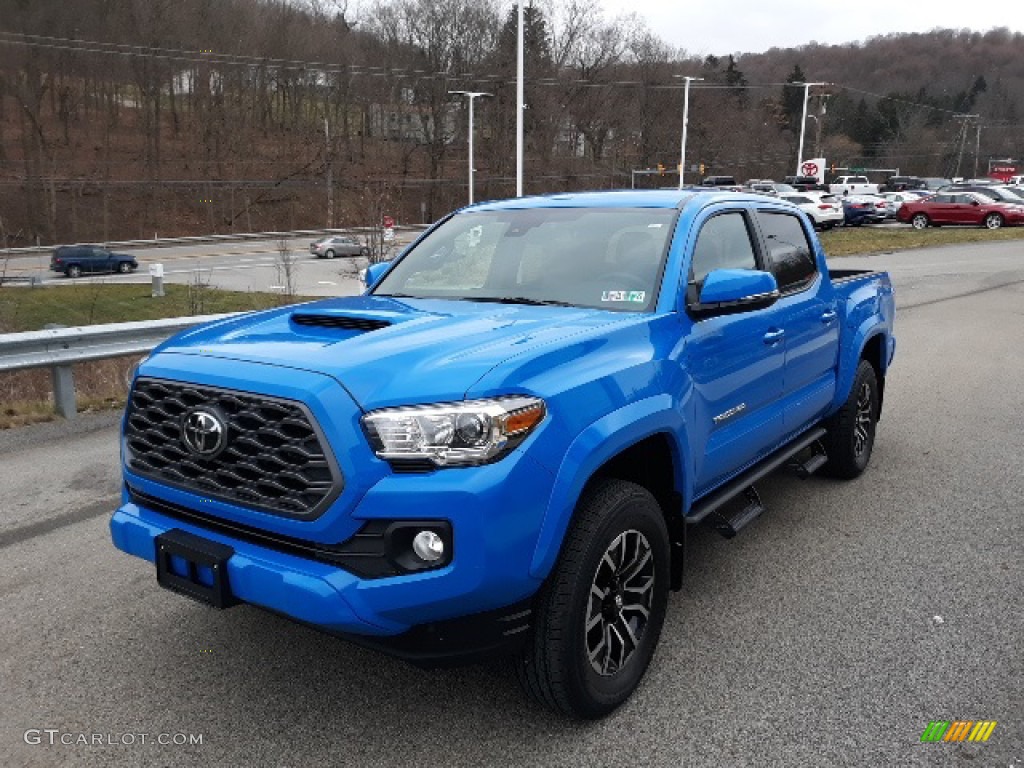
(475, 602)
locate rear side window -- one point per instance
(789, 252)
(723, 243)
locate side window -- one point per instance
(723, 243)
(789, 252)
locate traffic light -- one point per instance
(701, 167)
(661, 168)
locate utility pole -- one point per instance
(330, 174)
(520, 106)
(803, 124)
(686, 122)
(977, 144)
(472, 96)
(963, 140)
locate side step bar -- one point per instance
(745, 481)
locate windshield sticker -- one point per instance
(637, 297)
(654, 226)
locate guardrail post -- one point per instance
(156, 271)
(64, 391)
(63, 384)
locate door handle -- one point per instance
(774, 337)
(828, 317)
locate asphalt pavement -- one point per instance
(830, 632)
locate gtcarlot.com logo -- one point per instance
(958, 730)
(55, 737)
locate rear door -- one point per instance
(942, 209)
(807, 314)
(735, 361)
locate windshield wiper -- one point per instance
(519, 300)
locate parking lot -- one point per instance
(828, 633)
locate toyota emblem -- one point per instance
(204, 433)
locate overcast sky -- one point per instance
(751, 26)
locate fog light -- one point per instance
(428, 546)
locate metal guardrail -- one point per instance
(163, 242)
(60, 348)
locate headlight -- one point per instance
(453, 434)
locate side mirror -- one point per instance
(975, 202)
(374, 272)
(726, 290)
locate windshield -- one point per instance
(605, 258)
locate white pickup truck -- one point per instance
(854, 185)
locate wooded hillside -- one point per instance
(125, 118)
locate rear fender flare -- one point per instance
(592, 448)
(867, 331)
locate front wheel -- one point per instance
(919, 221)
(599, 616)
(124, 267)
(851, 431)
(993, 221)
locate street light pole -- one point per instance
(686, 123)
(472, 96)
(803, 126)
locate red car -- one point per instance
(960, 208)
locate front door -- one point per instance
(735, 362)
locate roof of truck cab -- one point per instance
(626, 198)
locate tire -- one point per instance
(124, 267)
(851, 431)
(329, 254)
(588, 673)
(73, 271)
(919, 221)
(993, 221)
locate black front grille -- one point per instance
(340, 321)
(274, 460)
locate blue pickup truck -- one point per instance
(500, 446)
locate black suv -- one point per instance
(804, 183)
(75, 260)
(903, 183)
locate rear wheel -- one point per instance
(73, 271)
(851, 431)
(919, 221)
(329, 254)
(993, 221)
(600, 614)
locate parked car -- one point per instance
(893, 201)
(773, 188)
(338, 245)
(971, 208)
(805, 183)
(500, 447)
(852, 185)
(998, 192)
(825, 211)
(862, 209)
(935, 183)
(723, 182)
(901, 183)
(75, 260)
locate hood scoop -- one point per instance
(340, 321)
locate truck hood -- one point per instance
(388, 351)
